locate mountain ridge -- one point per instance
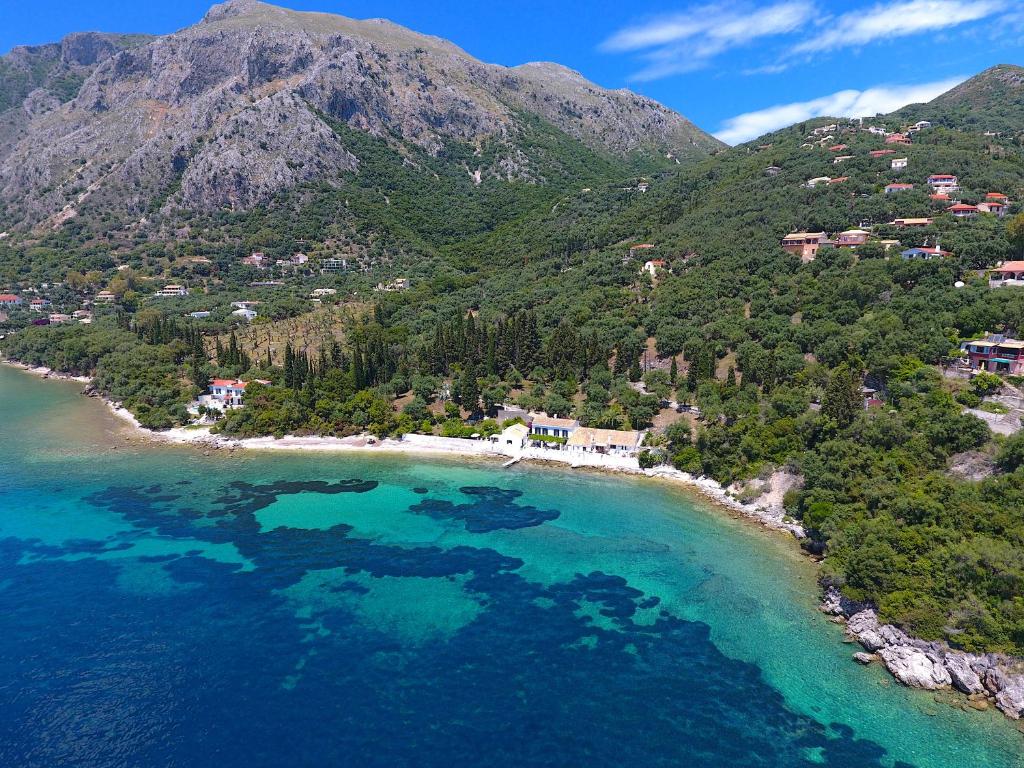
(224, 115)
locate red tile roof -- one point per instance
(8, 297)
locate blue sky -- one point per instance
(736, 68)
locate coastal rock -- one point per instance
(915, 668)
(1011, 698)
(864, 658)
(864, 628)
(962, 673)
(835, 603)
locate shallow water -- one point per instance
(162, 607)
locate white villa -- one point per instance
(610, 441)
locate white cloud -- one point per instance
(849, 103)
(886, 21)
(687, 41)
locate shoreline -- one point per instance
(984, 679)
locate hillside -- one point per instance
(992, 101)
(231, 112)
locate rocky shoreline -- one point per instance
(989, 679)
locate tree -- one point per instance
(1015, 232)
(843, 399)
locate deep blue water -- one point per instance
(165, 608)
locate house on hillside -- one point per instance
(613, 442)
(838, 148)
(635, 251)
(939, 197)
(996, 354)
(881, 152)
(257, 260)
(944, 182)
(838, 179)
(903, 222)
(652, 266)
(9, 300)
(171, 291)
(920, 125)
(841, 159)
(803, 244)
(962, 211)
(200, 315)
(923, 254)
(899, 163)
(244, 304)
(772, 170)
(398, 284)
(897, 138)
(892, 188)
(552, 426)
(851, 238)
(104, 297)
(333, 265)
(58, 318)
(812, 183)
(1010, 273)
(38, 305)
(319, 293)
(246, 314)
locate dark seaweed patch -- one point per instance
(491, 509)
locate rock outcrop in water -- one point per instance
(928, 664)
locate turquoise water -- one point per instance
(162, 607)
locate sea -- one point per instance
(172, 606)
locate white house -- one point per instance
(552, 426)
(616, 442)
(513, 435)
(224, 394)
(899, 163)
(170, 291)
(246, 314)
(321, 292)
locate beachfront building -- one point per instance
(9, 300)
(226, 394)
(512, 436)
(1010, 273)
(803, 244)
(552, 426)
(171, 291)
(614, 442)
(996, 354)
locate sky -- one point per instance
(737, 68)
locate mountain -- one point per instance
(990, 101)
(229, 113)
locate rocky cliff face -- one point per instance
(227, 113)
